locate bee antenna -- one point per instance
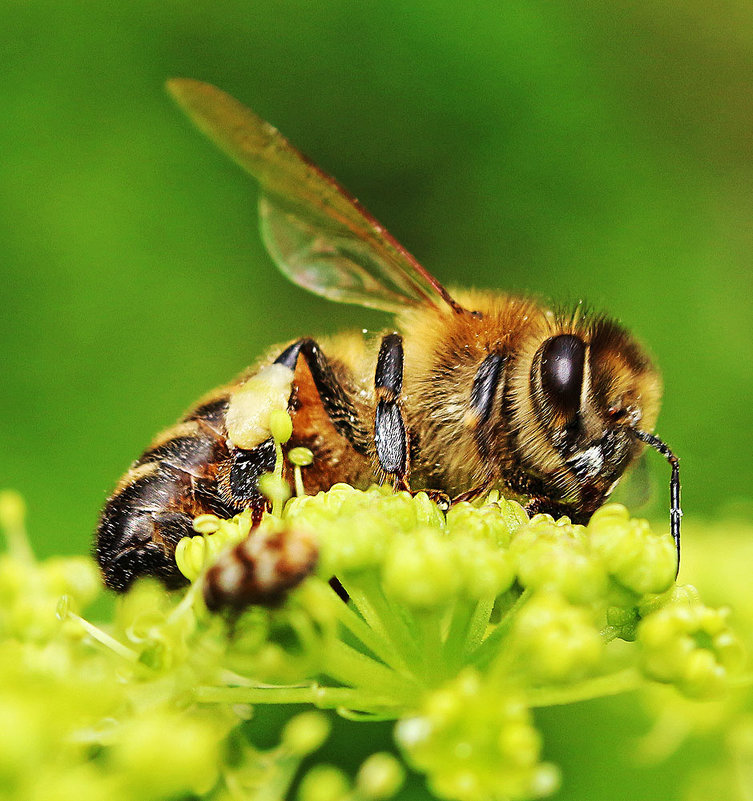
(675, 512)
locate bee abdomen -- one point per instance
(193, 453)
(141, 524)
(154, 505)
(212, 413)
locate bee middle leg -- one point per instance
(390, 434)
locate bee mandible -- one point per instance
(471, 390)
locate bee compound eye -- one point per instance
(562, 360)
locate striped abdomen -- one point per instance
(188, 470)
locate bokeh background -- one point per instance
(574, 150)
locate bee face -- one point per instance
(590, 387)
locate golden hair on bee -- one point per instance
(470, 391)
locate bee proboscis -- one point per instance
(470, 391)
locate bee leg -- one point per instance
(334, 398)
(440, 498)
(484, 393)
(390, 434)
(537, 505)
(471, 494)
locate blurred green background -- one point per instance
(575, 150)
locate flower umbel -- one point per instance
(457, 627)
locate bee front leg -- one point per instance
(390, 434)
(472, 494)
(541, 505)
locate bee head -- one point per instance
(591, 386)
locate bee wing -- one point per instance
(634, 489)
(318, 235)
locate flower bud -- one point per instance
(557, 556)
(380, 777)
(324, 783)
(557, 641)
(638, 559)
(421, 570)
(690, 645)
(306, 732)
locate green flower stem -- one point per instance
(478, 625)
(489, 648)
(457, 634)
(322, 697)
(278, 502)
(103, 638)
(187, 602)
(468, 625)
(380, 615)
(377, 644)
(298, 478)
(345, 664)
(428, 625)
(613, 684)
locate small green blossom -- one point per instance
(324, 783)
(638, 559)
(690, 645)
(557, 641)
(421, 570)
(475, 739)
(559, 556)
(380, 777)
(166, 754)
(305, 733)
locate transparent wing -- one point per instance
(635, 489)
(318, 235)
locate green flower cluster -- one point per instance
(92, 713)
(457, 627)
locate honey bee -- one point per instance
(470, 391)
